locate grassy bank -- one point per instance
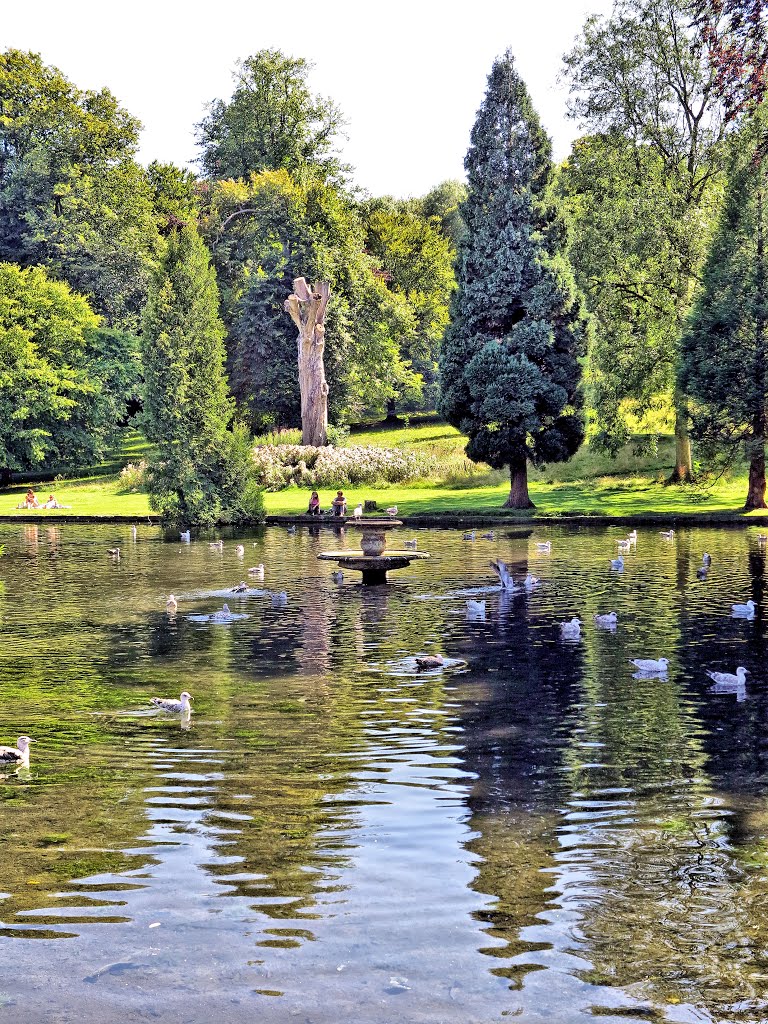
(590, 484)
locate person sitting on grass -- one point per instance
(314, 505)
(53, 503)
(339, 504)
(30, 501)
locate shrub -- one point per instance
(133, 476)
(279, 466)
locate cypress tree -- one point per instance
(202, 472)
(509, 365)
(725, 362)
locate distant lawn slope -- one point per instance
(590, 484)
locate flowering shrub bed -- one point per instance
(133, 476)
(278, 466)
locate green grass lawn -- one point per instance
(589, 484)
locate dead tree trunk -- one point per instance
(307, 310)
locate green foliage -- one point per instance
(60, 374)
(71, 196)
(509, 364)
(272, 121)
(643, 192)
(202, 472)
(725, 348)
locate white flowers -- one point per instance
(280, 466)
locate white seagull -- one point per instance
(743, 611)
(411, 543)
(173, 707)
(18, 755)
(240, 551)
(607, 621)
(476, 609)
(545, 545)
(650, 665)
(667, 534)
(391, 511)
(257, 570)
(223, 614)
(337, 576)
(617, 563)
(728, 679)
(505, 576)
(171, 604)
(240, 588)
(571, 630)
(632, 536)
(357, 511)
(706, 559)
(624, 545)
(468, 536)
(280, 600)
(531, 581)
(185, 536)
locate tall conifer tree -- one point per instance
(725, 347)
(509, 365)
(202, 473)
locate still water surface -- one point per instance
(536, 834)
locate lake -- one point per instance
(534, 831)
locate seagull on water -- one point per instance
(544, 545)
(114, 552)
(632, 536)
(650, 665)
(411, 543)
(185, 536)
(488, 536)
(505, 576)
(618, 563)
(216, 545)
(624, 545)
(280, 600)
(257, 570)
(337, 576)
(223, 614)
(571, 630)
(743, 611)
(241, 588)
(667, 534)
(290, 530)
(476, 609)
(728, 679)
(706, 559)
(531, 581)
(607, 621)
(468, 536)
(240, 551)
(134, 532)
(173, 707)
(171, 604)
(18, 755)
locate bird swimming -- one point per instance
(488, 536)
(476, 608)
(667, 534)
(701, 573)
(607, 621)
(649, 664)
(624, 545)
(257, 570)
(134, 532)
(429, 661)
(706, 559)
(240, 550)
(240, 588)
(728, 679)
(173, 707)
(223, 614)
(18, 755)
(545, 545)
(743, 611)
(618, 563)
(171, 604)
(571, 630)
(502, 571)
(468, 536)
(114, 552)
(290, 530)
(216, 545)
(280, 600)
(410, 543)
(185, 536)
(531, 581)
(632, 536)
(337, 576)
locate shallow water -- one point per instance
(530, 832)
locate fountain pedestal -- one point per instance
(373, 560)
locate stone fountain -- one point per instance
(373, 559)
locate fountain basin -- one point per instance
(373, 567)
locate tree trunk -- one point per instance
(392, 418)
(756, 447)
(307, 310)
(518, 490)
(6, 476)
(683, 470)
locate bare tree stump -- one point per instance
(307, 310)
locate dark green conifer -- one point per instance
(510, 370)
(202, 473)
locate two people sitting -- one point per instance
(338, 505)
(31, 501)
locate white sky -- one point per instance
(409, 75)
